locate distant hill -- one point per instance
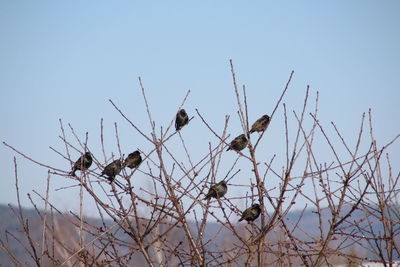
(309, 223)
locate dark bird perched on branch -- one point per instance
(251, 213)
(112, 170)
(238, 143)
(261, 124)
(82, 164)
(133, 160)
(181, 119)
(218, 190)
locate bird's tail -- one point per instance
(229, 148)
(72, 173)
(241, 219)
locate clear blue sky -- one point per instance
(65, 59)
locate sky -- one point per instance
(66, 59)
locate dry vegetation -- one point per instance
(155, 226)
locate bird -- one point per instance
(261, 124)
(133, 160)
(82, 164)
(181, 119)
(112, 170)
(238, 143)
(252, 213)
(217, 190)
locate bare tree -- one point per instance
(155, 226)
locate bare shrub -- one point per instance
(354, 206)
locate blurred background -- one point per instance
(66, 59)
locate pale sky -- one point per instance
(65, 59)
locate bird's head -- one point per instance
(182, 112)
(266, 117)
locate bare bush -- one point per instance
(354, 201)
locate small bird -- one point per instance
(82, 164)
(238, 143)
(181, 119)
(133, 160)
(261, 124)
(216, 191)
(252, 213)
(112, 170)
